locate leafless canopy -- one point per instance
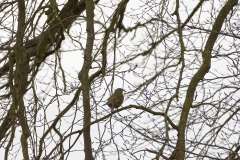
(178, 61)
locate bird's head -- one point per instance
(119, 90)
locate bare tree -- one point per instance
(178, 62)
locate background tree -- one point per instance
(177, 60)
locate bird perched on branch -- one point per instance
(116, 100)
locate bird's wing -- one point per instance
(111, 99)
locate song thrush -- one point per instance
(116, 100)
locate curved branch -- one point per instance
(199, 75)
